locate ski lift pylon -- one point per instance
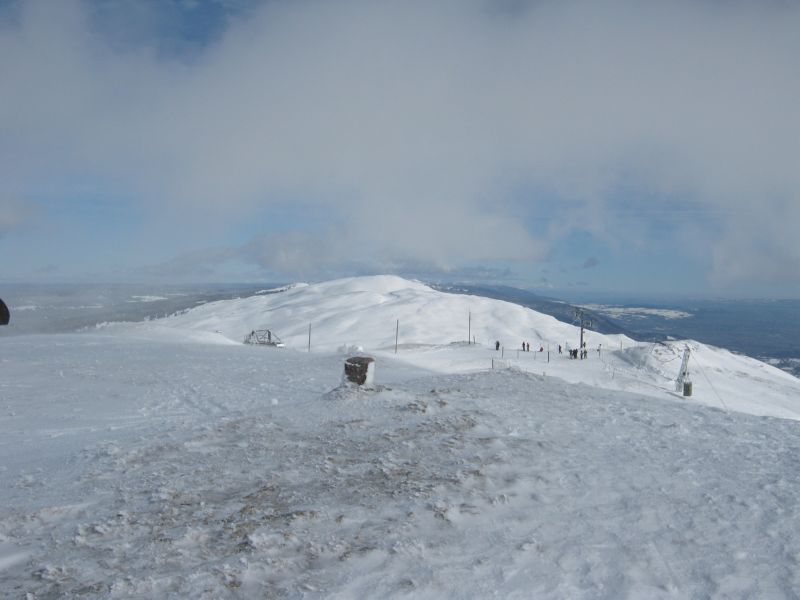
(263, 337)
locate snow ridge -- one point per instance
(432, 327)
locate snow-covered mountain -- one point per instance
(166, 459)
(432, 328)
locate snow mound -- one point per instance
(366, 311)
(457, 333)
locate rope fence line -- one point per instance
(504, 363)
(697, 362)
(507, 363)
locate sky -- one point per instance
(612, 145)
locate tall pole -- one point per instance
(469, 329)
(396, 335)
(584, 322)
(683, 374)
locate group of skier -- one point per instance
(581, 352)
(526, 347)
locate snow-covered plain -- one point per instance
(166, 459)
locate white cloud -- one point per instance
(761, 245)
(411, 121)
(14, 213)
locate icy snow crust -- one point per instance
(166, 460)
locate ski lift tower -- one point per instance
(263, 337)
(581, 317)
(683, 383)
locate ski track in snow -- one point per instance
(158, 467)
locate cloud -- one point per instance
(760, 246)
(310, 256)
(590, 263)
(187, 266)
(544, 282)
(14, 213)
(414, 123)
(302, 253)
(48, 269)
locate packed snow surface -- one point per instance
(167, 460)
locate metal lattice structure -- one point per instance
(263, 337)
(683, 374)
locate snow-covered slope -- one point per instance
(168, 460)
(146, 469)
(364, 312)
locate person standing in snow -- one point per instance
(5, 314)
(497, 345)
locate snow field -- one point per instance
(493, 484)
(364, 312)
(166, 460)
